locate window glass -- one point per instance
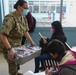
(47, 11)
(11, 3)
(58, 9)
(69, 12)
(30, 8)
(52, 8)
(36, 9)
(31, 3)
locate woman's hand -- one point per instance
(33, 44)
(27, 35)
(48, 72)
(11, 53)
(44, 40)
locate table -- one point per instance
(24, 54)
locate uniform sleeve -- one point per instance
(7, 25)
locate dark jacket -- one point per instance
(68, 67)
(58, 36)
(68, 70)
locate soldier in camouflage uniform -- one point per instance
(14, 27)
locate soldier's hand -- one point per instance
(11, 53)
(33, 44)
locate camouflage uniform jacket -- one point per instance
(14, 28)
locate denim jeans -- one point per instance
(40, 58)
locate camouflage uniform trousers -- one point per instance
(12, 66)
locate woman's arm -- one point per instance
(7, 44)
(27, 35)
(5, 40)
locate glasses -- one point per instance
(25, 8)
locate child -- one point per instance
(66, 59)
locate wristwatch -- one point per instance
(9, 49)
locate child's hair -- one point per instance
(56, 46)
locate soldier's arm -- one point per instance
(7, 45)
(26, 34)
(6, 28)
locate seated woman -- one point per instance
(66, 59)
(57, 33)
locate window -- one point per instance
(58, 9)
(64, 9)
(43, 9)
(31, 9)
(30, 2)
(69, 12)
(52, 8)
(36, 9)
(47, 11)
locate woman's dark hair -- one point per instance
(56, 46)
(19, 2)
(58, 31)
(57, 26)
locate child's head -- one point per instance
(56, 49)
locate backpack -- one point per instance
(66, 66)
(31, 22)
(73, 52)
(69, 62)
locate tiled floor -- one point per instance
(25, 67)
